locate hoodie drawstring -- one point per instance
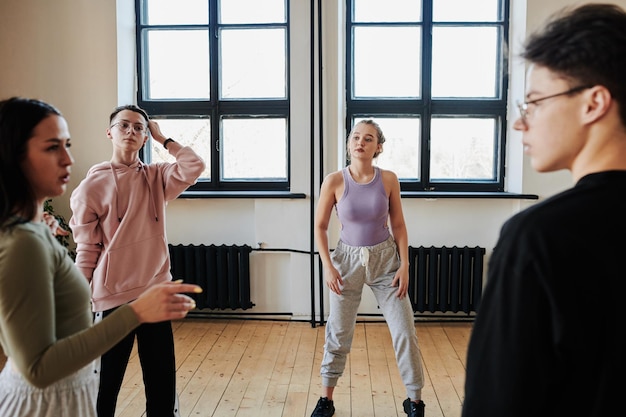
(117, 192)
(154, 210)
(140, 167)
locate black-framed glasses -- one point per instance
(124, 126)
(523, 107)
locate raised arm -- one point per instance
(185, 171)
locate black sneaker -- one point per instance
(324, 408)
(413, 409)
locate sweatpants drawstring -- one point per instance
(365, 256)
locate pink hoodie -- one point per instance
(118, 224)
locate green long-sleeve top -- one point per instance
(45, 316)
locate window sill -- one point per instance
(467, 194)
(242, 194)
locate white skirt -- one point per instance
(74, 395)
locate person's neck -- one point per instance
(39, 204)
(361, 172)
(125, 158)
(603, 151)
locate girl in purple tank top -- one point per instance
(372, 250)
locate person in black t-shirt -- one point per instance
(548, 338)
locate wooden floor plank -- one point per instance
(447, 396)
(453, 364)
(218, 369)
(190, 370)
(226, 381)
(458, 334)
(430, 392)
(362, 403)
(261, 366)
(382, 389)
(276, 396)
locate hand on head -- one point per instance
(155, 131)
(165, 301)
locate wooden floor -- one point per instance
(240, 368)
(243, 368)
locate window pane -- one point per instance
(252, 11)
(382, 71)
(166, 12)
(462, 149)
(173, 72)
(189, 132)
(465, 61)
(465, 11)
(401, 148)
(253, 63)
(387, 11)
(254, 149)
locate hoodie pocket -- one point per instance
(136, 265)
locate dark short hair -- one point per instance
(18, 119)
(587, 46)
(130, 107)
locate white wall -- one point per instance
(77, 55)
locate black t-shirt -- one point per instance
(548, 337)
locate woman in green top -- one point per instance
(46, 326)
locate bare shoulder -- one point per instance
(390, 181)
(334, 179)
(388, 176)
(332, 187)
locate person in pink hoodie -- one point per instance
(118, 223)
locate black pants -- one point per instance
(155, 346)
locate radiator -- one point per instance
(222, 271)
(444, 279)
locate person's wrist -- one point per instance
(167, 142)
(134, 305)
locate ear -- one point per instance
(109, 133)
(598, 103)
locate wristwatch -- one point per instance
(167, 141)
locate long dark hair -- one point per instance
(18, 118)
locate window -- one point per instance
(433, 74)
(214, 74)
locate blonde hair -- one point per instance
(380, 137)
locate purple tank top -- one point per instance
(363, 211)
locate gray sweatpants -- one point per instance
(376, 267)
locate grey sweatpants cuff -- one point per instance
(329, 382)
(414, 395)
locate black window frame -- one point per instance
(426, 107)
(215, 108)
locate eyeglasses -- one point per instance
(523, 107)
(124, 125)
